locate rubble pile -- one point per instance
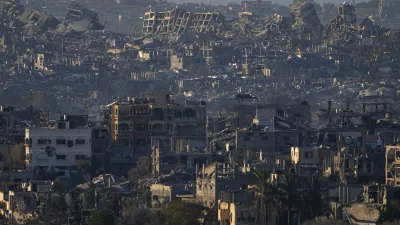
(232, 88)
(81, 18)
(196, 52)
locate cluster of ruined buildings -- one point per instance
(229, 44)
(209, 160)
(204, 139)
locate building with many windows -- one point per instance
(157, 119)
(59, 149)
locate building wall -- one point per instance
(267, 141)
(257, 140)
(39, 62)
(245, 114)
(206, 192)
(214, 181)
(141, 124)
(178, 20)
(100, 142)
(157, 119)
(121, 125)
(170, 123)
(48, 148)
(161, 194)
(176, 62)
(310, 156)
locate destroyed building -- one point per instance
(36, 18)
(79, 16)
(306, 22)
(128, 122)
(157, 119)
(392, 166)
(179, 20)
(360, 138)
(191, 64)
(174, 126)
(235, 207)
(215, 178)
(346, 17)
(60, 149)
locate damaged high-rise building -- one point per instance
(345, 19)
(179, 20)
(306, 22)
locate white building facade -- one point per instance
(59, 149)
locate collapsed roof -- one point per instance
(40, 19)
(179, 20)
(82, 18)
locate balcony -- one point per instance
(125, 117)
(124, 128)
(124, 131)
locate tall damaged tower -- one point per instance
(179, 20)
(345, 18)
(305, 16)
(306, 23)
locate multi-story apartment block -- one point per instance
(60, 149)
(176, 127)
(128, 122)
(121, 123)
(157, 120)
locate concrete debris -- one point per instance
(202, 96)
(82, 18)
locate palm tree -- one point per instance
(317, 188)
(292, 187)
(267, 203)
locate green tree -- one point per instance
(101, 217)
(291, 186)
(156, 218)
(133, 215)
(268, 200)
(142, 169)
(89, 199)
(54, 207)
(182, 213)
(317, 189)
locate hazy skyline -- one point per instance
(285, 2)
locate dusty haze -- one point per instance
(224, 2)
